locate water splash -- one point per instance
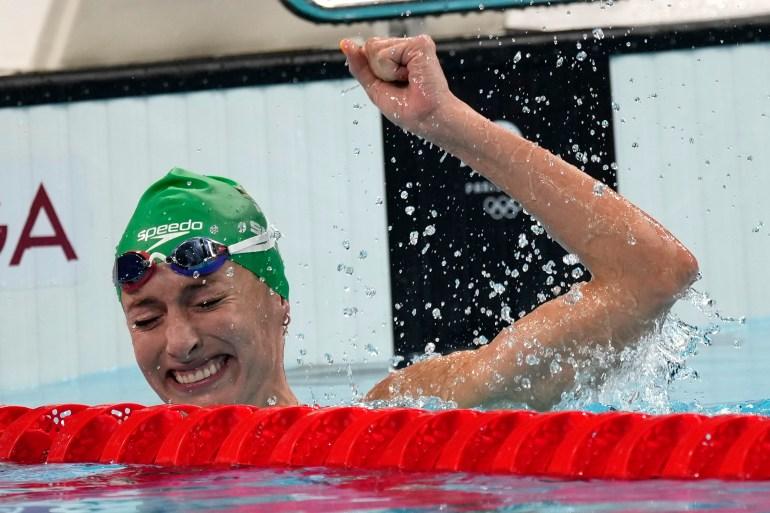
(640, 378)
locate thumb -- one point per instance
(358, 64)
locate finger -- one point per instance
(358, 64)
(387, 58)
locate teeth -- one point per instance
(201, 373)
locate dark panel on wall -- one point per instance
(464, 258)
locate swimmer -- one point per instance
(203, 288)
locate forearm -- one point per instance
(612, 237)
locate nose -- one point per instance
(182, 338)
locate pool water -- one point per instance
(92, 488)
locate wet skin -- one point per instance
(228, 322)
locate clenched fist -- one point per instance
(403, 78)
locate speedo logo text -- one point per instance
(169, 229)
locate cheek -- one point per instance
(146, 351)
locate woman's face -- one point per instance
(216, 339)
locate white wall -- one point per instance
(692, 136)
(311, 156)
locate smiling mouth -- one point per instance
(202, 373)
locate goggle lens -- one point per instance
(198, 255)
(130, 267)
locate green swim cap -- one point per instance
(182, 205)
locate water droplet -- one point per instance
(430, 348)
(570, 259)
(758, 227)
(598, 33)
(230, 272)
(737, 343)
(581, 55)
(371, 349)
(346, 244)
(413, 238)
(554, 367)
(577, 272)
(356, 151)
(363, 254)
(605, 123)
(196, 275)
(599, 189)
(532, 359)
(378, 201)
(517, 57)
(409, 210)
(404, 194)
(349, 311)
(526, 384)
(548, 267)
(272, 400)
(522, 240)
(370, 292)
(242, 227)
(429, 230)
(214, 229)
(537, 229)
(436, 313)
(631, 239)
(329, 359)
(189, 183)
(559, 62)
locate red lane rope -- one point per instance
(615, 445)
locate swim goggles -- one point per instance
(194, 257)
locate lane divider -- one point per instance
(573, 445)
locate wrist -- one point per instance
(445, 123)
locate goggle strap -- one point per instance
(256, 244)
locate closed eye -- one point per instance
(144, 324)
(210, 303)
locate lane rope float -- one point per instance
(571, 444)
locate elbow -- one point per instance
(684, 271)
(673, 278)
(691, 270)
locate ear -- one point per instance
(285, 306)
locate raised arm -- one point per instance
(638, 268)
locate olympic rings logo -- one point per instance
(501, 207)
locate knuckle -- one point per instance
(426, 40)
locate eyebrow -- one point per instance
(186, 292)
(148, 301)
